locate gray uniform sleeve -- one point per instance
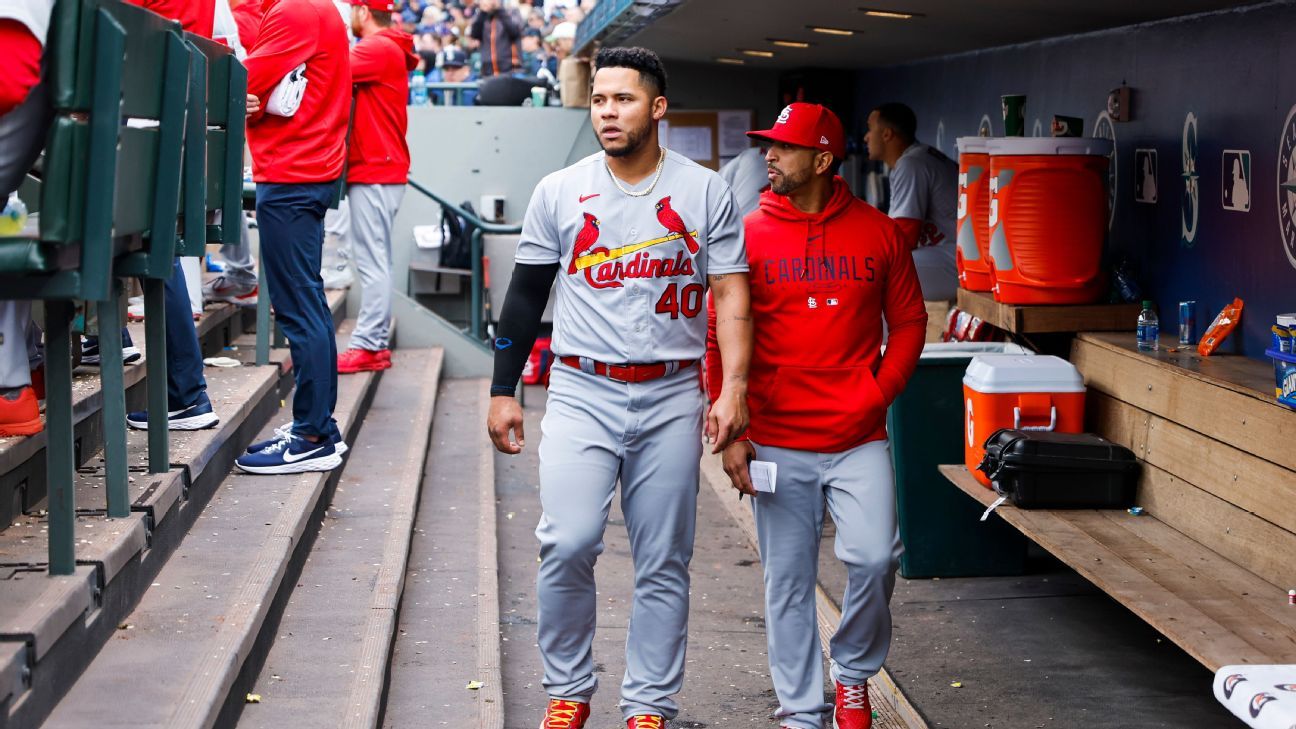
(910, 191)
(726, 249)
(540, 242)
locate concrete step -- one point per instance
(51, 627)
(328, 662)
(177, 656)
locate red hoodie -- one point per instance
(380, 66)
(820, 288)
(309, 146)
(195, 16)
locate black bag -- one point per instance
(1047, 470)
(456, 238)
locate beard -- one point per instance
(632, 142)
(785, 184)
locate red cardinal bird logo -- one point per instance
(585, 241)
(674, 223)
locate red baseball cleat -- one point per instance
(363, 360)
(563, 714)
(852, 709)
(20, 414)
(646, 721)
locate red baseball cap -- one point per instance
(388, 6)
(807, 125)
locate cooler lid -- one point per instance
(1019, 146)
(973, 145)
(968, 350)
(1006, 373)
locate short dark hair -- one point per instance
(900, 118)
(651, 72)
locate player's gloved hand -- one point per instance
(735, 460)
(505, 416)
(727, 419)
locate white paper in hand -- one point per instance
(764, 475)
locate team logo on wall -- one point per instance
(985, 129)
(1105, 129)
(1037, 129)
(1190, 202)
(1287, 186)
(1145, 176)
(940, 135)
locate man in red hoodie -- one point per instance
(378, 164)
(826, 271)
(296, 164)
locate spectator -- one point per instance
(454, 68)
(498, 32)
(534, 55)
(562, 40)
(297, 161)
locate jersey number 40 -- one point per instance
(674, 301)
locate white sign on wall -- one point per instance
(1235, 179)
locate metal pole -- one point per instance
(59, 455)
(113, 382)
(477, 284)
(263, 312)
(159, 458)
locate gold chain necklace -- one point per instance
(661, 161)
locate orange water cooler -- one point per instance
(1048, 219)
(975, 272)
(1028, 392)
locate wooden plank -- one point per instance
(1236, 476)
(1237, 535)
(1245, 376)
(1198, 634)
(1049, 319)
(490, 713)
(1171, 570)
(1244, 418)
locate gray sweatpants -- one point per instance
(858, 486)
(19, 344)
(238, 256)
(649, 436)
(373, 208)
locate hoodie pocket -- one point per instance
(839, 403)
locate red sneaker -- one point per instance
(20, 415)
(646, 721)
(852, 709)
(563, 714)
(363, 360)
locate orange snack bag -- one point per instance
(1225, 322)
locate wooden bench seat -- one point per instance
(1210, 563)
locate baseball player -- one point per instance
(638, 234)
(377, 169)
(924, 196)
(826, 270)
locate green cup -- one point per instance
(1014, 115)
(539, 96)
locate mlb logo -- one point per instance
(832, 302)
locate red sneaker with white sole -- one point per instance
(851, 709)
(646, 721)
(563, 714)
(363, 360)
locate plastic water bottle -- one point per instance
(14, 217)
(1149, 329)
(418, 90)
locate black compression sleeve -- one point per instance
(519, 322)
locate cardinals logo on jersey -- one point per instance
(672, 221)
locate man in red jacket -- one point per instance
(296, 163)
(378, 164)
(826, 270)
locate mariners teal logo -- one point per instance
(1191, 193)
(1105, 129)
(1287, 186)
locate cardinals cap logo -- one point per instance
(784, 115)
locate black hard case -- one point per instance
(1047, 470)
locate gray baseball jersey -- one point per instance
(924, 186)
(632, 274)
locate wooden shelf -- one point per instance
(1057, 319)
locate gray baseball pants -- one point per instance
(238, 256)
(649, 437)
(858, 487)
(19, 344)
(373, 209)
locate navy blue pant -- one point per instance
(186, 385)
(291, 221)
